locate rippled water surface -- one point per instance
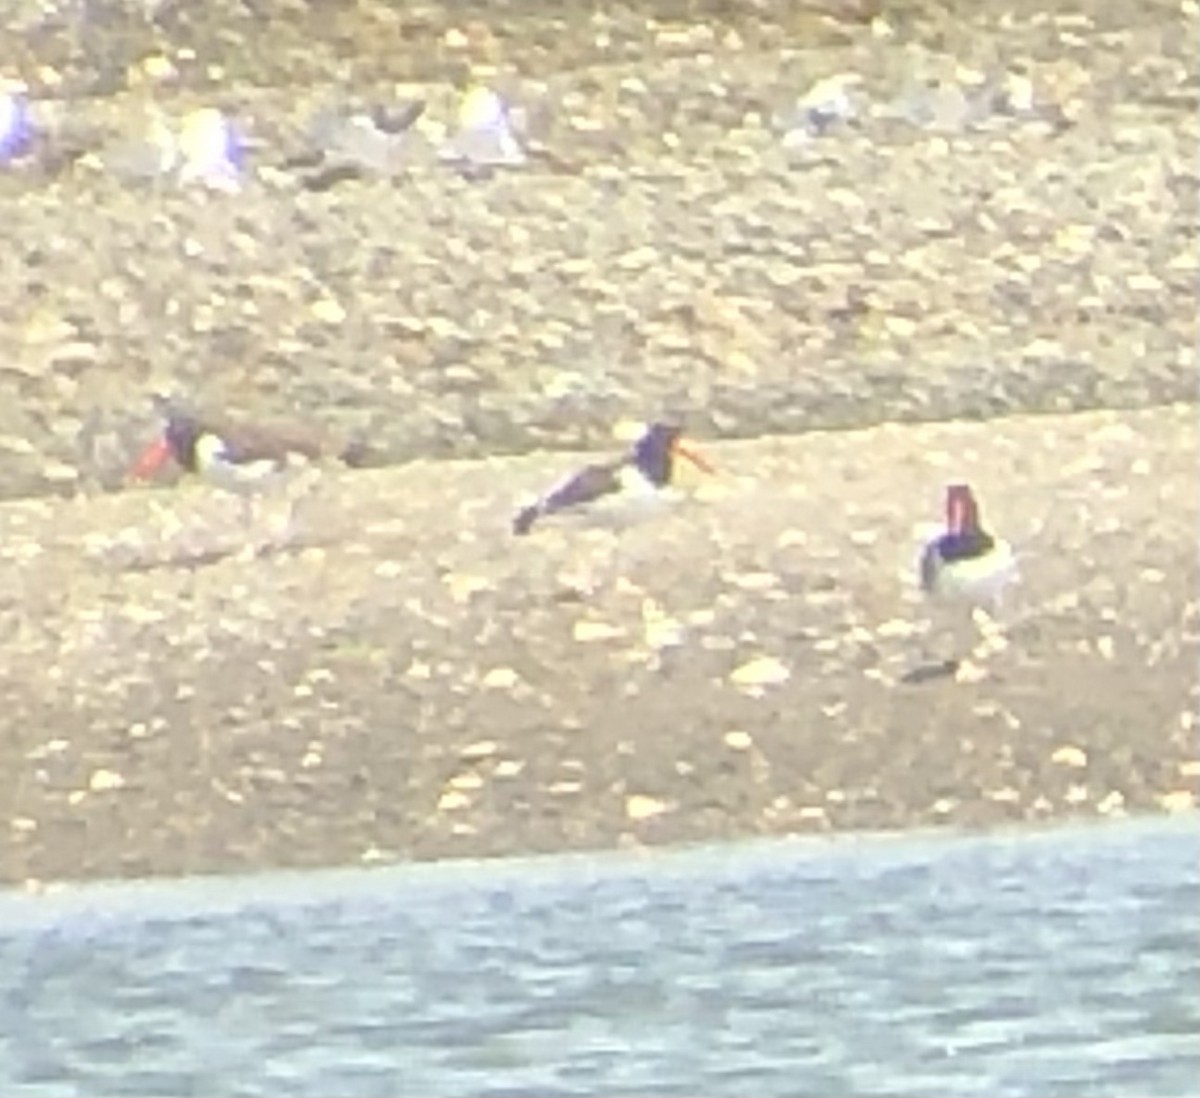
(1063, 963)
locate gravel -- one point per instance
(662, 253)
(395, 677)
(1004, 224)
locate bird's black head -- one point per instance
(181, 435)
(965, 537)
(654, 453)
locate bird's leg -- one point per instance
(283, 532)
(954, 629)
(991, 623)
(250, 547)
(257, 520)
(301, 485)
(936, 649)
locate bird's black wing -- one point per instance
(591, 483)
(969, 546)
(247, 443)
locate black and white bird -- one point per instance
(965, 562)
(644, 475)
(246, 459)
(963, 569)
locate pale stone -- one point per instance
(751, 581)
(103, 780)
(663, 633)
(760, 671)
(328, 311)
(1076, 794)
(1145, 283)
(462, 586)
(1069, 755)
(969, 673)
(452, 800)
(501, 678)
(1178, 801)
(638, 807)
(587, 631)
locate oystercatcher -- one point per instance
(16, 125)
(244, 459)
(210, 151)
(962, 569)
(484, 137)
(644, 473)
(966, 562)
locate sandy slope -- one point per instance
(403, 678)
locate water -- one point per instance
(1066, 963)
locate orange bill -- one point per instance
(152, 459)
(686, 450)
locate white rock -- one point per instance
(501, 678)
(585, 631)
(1068, 755)
(103, 780)
(328, 311)
(638, 806)
(1178, 801)
(467, 780)
(665, 633)
(452, 800)
(761, 671)
(751, 581)
(462, 585)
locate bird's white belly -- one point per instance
(252, 476)
(639, 500)
(982, 579)
(245, 477)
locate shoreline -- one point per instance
(412, 684)
(295, 887)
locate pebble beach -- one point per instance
(987, 269)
